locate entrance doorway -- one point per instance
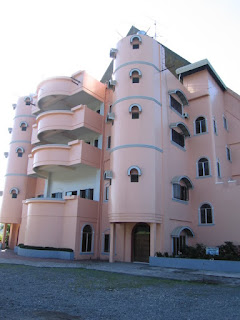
(141, 242)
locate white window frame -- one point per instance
(199, 215)
(209, 166)
(195, 127)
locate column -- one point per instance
(4, 235)
(112, 241)
(153, 236)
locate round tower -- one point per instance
(18, 186)
(136, 149)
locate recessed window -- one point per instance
(134, 172)
(57, 195)
(206, 214)
(203, 167)
(214, 126)
(23, 126)
(14, 192)
(106, 247)
(135, 75)
(177, 106)
(87, 239)
(86, 194)
(136, 46)
(179, 244)
(178, 138)
(135, 41)
(96, 143)
(109, 142)
(200, 125)
(134, 175)
(180, 192)
(107, 193)
(181, 186)
(20, 152)
(71, 193)
(225, 123)
(218, 168)
(135, 110)
(229, 156)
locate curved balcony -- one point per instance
(63, 93)
(52, 158)
(65, 126)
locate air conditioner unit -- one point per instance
(5, 154)
(112, 84)
(108, 175)
(113, 53)
(14, 105)
(110, 116)
(186, 115)
(10, 130)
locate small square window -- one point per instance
(135, 46)
(20, 154)
(24, 128)
(135, 115)
(135, 80)
(134, 177)
(14, 195)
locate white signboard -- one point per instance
(213, 251)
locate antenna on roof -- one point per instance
(155, 34)
(119, 34)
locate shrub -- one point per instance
(21, 245)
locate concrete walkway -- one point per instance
(138, 269)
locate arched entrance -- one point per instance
(141, 242)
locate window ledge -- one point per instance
(87, 253)
(105, 253)
(180, 201)
(206, 224)
(203, 177)
(200, 134)
(178, 146)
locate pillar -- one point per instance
(112, 241)
(153, 238)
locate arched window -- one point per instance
(200, 125)
(181, 186)
(179, 236)
(134, 172)
(23, 125)
(206, 214)
(14, 192)
(135, 75)
(178, 135)
(203, 167)
(135, 41)
(19, 151)
(87, 239)
(135, 110)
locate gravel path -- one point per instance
(64, 294)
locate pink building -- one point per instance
(146, 160)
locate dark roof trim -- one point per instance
(199, 66)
